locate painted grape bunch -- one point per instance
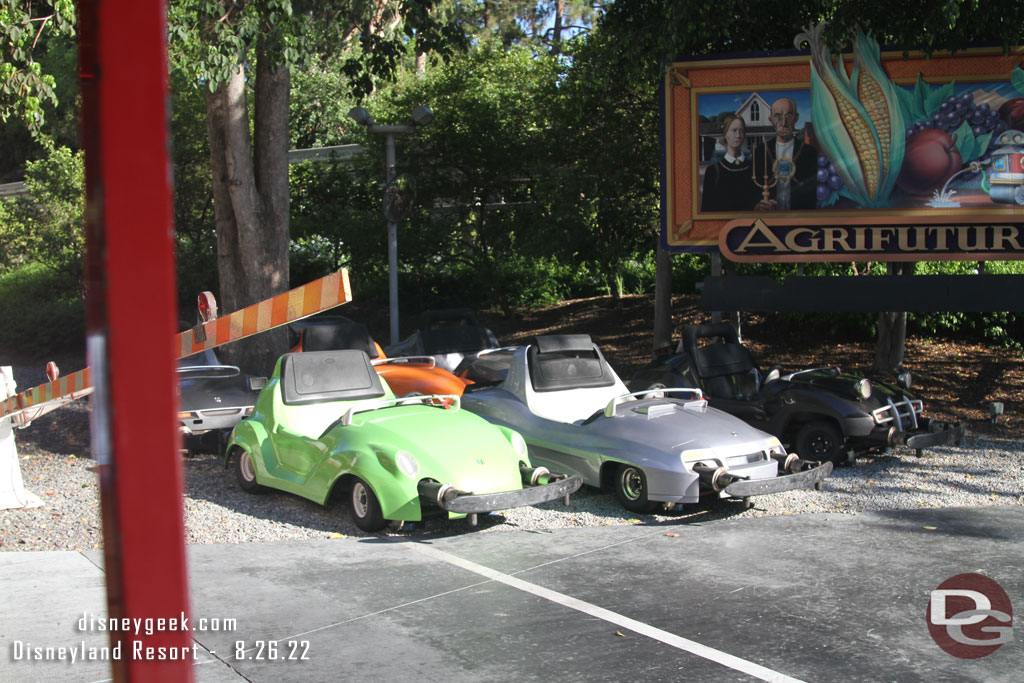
(957, 109)
(828, 179)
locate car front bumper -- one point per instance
(929, 434)
(937, 434)
(810, 478)
(469, 503)
(202, 421)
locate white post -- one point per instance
(12, 490)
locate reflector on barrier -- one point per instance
(301, 302)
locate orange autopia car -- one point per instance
(405, 374)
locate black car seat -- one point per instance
(454, 331)
(567, 361)
(569, 378)
(725, 368)
(333, 334)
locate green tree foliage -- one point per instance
(477, 165)
(318, 111)
(542, 26)
(46, 226)
(43, 306)
(24, 86)
(604, 131)
(336, 221)
(54, 56)
(929, 26)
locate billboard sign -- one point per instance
(869, 155)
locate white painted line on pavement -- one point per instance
(678, 642)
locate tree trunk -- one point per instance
(613, 278)
(556, 31)
(892, 337)
(892, 331)
(250, 190)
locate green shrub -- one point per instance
(638, 274)
(688, 270)
(47, 225)
(1000, 326)
(42, 311)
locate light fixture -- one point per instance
(422, 115)
(360, 116)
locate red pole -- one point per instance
(131, 325)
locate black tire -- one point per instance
(820, 440)
(366, 508)
(631, 489)
(245, 471)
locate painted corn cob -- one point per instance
(857, 118)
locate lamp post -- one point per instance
(421, 116)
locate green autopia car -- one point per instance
(326, 420)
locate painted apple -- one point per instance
(930, 159)
(1012, 111)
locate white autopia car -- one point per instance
(578, 417)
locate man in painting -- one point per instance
(785, 166)
(728, 182)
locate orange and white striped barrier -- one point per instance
(301, 302)
(37, 401)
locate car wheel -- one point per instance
(820, 440)
(245, 471)
(366, 508)
(631, 489)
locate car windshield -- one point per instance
(207, 357)
(204, 364)
(207, 371)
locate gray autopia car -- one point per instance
(578, 417)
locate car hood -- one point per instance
(679, 426)
(842, 385)
(215, 392)
(450, 446)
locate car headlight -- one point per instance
(863, 388)
(695, 455)
(904, 379)
(519, 444)
(407, 463)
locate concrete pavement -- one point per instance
(809, 597)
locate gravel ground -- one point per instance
(54, 460)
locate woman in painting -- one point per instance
(728, 182)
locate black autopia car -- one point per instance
(820, 413)
(213, 398)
